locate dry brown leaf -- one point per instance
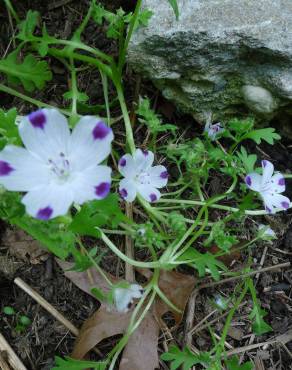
(141, 350)
(86, 280)
(102, 324)
(23, 246)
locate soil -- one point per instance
(45, 337)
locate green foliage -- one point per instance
(184, 358)
(54, 236)
(10, 205)
(206, 262)
(96, 214)
(240, 127)
(233, 364)
(259, 326)
(31, 73)
(28, 25)
(266, 134)
(9, 310)
(117, 21)
(8, 129)
(174, 6)
(71, 364)
(151, 119)
(146, 236)
(248, 160)
(220, 237)
(177, 223)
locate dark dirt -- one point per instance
(45, 337)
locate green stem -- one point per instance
(217, 206)
(12, 10)
(99, 269)
(133, 22)
(33, 101)
(125, 258)
(127, 121)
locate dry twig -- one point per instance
(11, 358)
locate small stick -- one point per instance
(3, 364)
(227, 280)
(58, 4)
(46, 305)
(12, 358)
(190, 319)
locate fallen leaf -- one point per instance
(177, 287)
(140, 352)
(88, 279)
(23, 246)
(102, 324)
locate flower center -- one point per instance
(60, 166)
(143, 178)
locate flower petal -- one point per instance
(92, 183)
(268, 170)
(254, 181)
(127, 166)
(274, 201)
(127, 190)
(278, 183)
(48, 201)
(158, 176)
(143, 159)
(149, 193)
(90, 142)
(124, 296)
(45, 133)
(21, 171)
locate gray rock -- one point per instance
(227, 57)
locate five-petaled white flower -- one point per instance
(213, 130)
(267, 232)
(124, 297)
(141, 177)
(57, 167)
(269, 186)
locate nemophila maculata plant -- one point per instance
(59, 183)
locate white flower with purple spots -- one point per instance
(269, 185)
(124, 297)
(266, 232)
(57, 167)
(141, 177)
(213, 130)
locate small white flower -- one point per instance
(124, 297)
(269, 186)
(57, 167)
(267, 232)
(213, 130)
(141, 177)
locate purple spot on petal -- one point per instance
(281, 181)
(248, 180)
(123, 193)
(44, 213)
(122, 162)
(5, 168)
(153, 197)
(285, 205)
(268, 209)
(164, 175)
(102, 189)
(38, 119)
(264, 163)
(100, 131)
(145, 152)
